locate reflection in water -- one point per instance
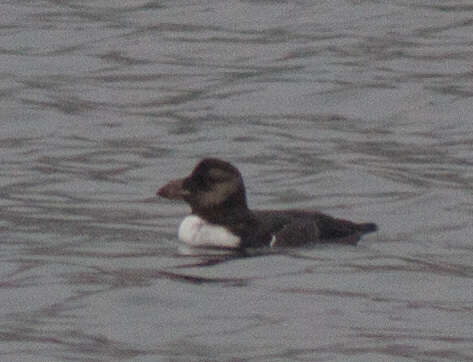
(361, 110)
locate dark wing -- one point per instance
(300, 227)
(297, 233)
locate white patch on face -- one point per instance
(195, 231)
(273, 241)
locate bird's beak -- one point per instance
(173, 190)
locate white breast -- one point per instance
(198, 232)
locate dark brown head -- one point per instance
(213, 185)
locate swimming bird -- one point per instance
(220, 216)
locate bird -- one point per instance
(220, 216)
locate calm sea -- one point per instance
(360, 109)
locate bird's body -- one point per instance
(220, 216)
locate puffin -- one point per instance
(220, 216)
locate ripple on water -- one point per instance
(359, 110)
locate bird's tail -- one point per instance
(368, 227)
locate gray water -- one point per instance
(360, 109)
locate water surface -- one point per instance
(358, 109)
